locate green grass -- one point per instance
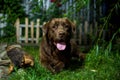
(101, 64)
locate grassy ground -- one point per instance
(101, 64)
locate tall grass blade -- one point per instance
(97, 49)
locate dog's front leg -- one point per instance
(11, 68)
(58, 66)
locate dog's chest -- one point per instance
(61, 55)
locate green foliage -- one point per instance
(40, 11)
(13, 10)
(10, 31)
(74, 8)
(55, 10)
(105, 66)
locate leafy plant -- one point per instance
(13, 10)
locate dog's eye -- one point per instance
(66, 26)
(54, 27)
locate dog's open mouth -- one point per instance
(60, 45)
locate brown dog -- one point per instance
(19, 58)
(57, 48)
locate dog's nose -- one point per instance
(61, 33)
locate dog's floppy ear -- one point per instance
(73, 26)
(45, 28)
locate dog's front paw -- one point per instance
(58, 67)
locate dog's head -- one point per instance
(59, 31)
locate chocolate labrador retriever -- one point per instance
(57, 47)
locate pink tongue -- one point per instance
(61, 46)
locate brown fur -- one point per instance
(58, 30)
(19, 58)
